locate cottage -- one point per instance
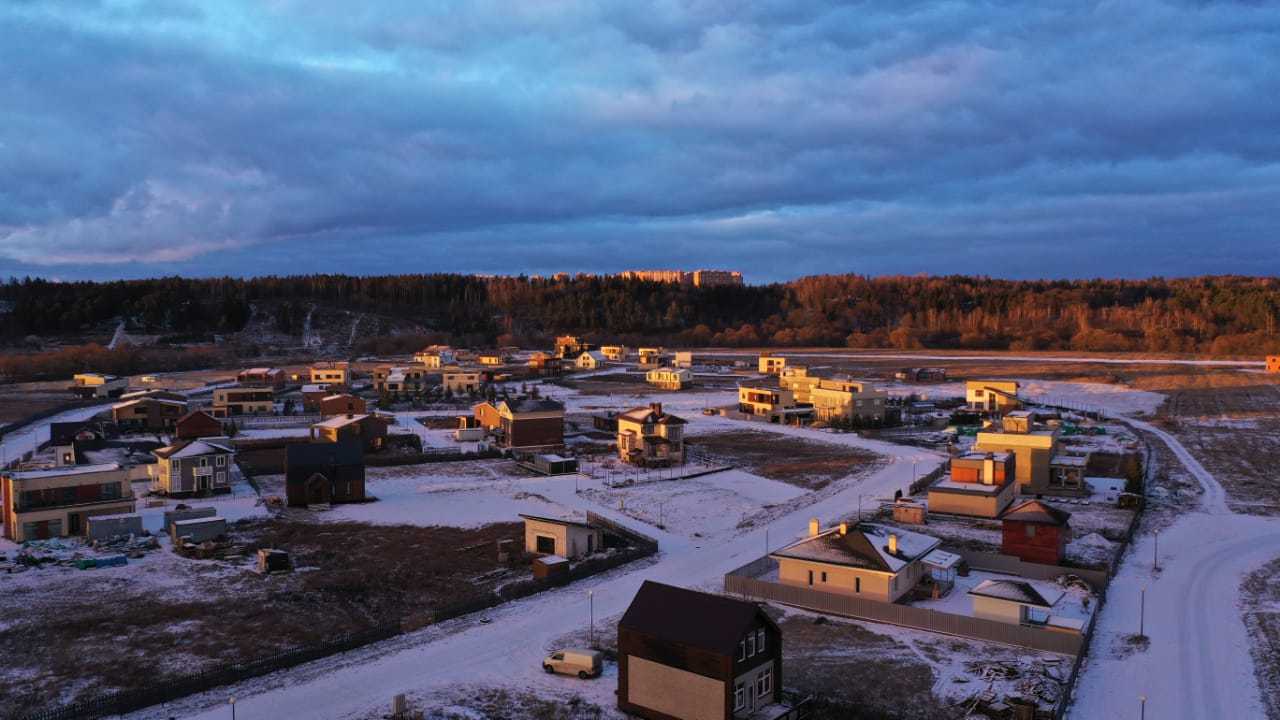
(323, 473)
(1017, 602)
(197, 424)
(526, 422)
(370, 431)
(614, 353)
(459, 381)
(669, 378)
(273, 378)
(190, 467)
(995, 396)
(97, 385)
(399, 380)
(867, 560)
(770, 364)
(235, 401)
(772, 401)
(688, 655)
(39, 504)
(980, 485)
(331, 373)
(342, 404)
(1036, 531)
(650, 437)
(564, 537)
(590, 360)
(148, 414)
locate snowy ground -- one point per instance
(1076, 603)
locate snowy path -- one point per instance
(1198, 664)
(508, 650)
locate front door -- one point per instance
(73, 524)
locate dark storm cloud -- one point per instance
(777, 137)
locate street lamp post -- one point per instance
(232, 702)
(1142, 707)
(591, 632)
(1155, 552)
(1142, 612)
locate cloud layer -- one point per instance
(781, 138)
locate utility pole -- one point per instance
(1142, 612)
(1155, 553)
(591, 632)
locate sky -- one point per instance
(780, 138)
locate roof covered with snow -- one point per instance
(865, 545)
(1023, 592)
(62, 471)
(192, 448)
(1039, 512)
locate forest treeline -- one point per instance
(1220, 314)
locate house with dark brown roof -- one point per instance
(526, 422)
(684, 654)
(1035, 531)
(651, 437)
(323, 473)
(197, 424)
(148, 413)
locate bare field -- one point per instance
(806, 464)
(68, 631)
(1261, 601)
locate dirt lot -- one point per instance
(67, 631)
(1235, 432)
(803, 463)
(1261, 601)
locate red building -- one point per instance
(342, 404)
(198, 424)
(1036, 532)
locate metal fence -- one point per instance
(1064, 642)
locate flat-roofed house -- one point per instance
(1034, 450)
(688, 655)
(491, 358)
(834, 398)
(867, 560)
(568, 538)
(1036, 532)
(400, 379)
(770, 364)
(769, 400)
(545, 363)
(651, 437)
(669, 378)
(992, 395)
(342, 404)
(979, 485)
(649, 355)
(615, 353)
(274, 378)
(370, 431)
(331, 373)
(148, 413)
(97, 385)
(234, 401)
(39, 504)
(191, 467)
(460, 381)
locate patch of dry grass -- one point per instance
(799, 462)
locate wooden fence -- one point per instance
(739, 582)
(1011, 565)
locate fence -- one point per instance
(1066, 643)
(1011, 565)
(927, 479)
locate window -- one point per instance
(764, 684)
(751, 645)
(760, 640)
(1031, 531)
(810, 577)
(824, 576)
(857, 584)
(545, 544)
(739, 696)
(742, 649)
(221, 461)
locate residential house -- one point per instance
(772, 401)
(689, 655)
(197, 424)
(331, 373)
(312, 394)
(191, 467)
(683, 359)
(1018, 421)
(370, 431)
(97, 385)
(324, 473)
(39, 504)
(400, 379)
(234, 401)
(650, 356)
(545, 363)
(921, 374)
(996, 396)
(867, 560)
(461, 381)
(491, 358)
(1273, 363)
(1036, 532)
(590, 360)
(980, 485)
(563, 537)
(614, 353)
(435, 357)
(525, 423)
(669, 378)
(1066, 476)
(570, 346)
(274, 378)
(1021, 602)
(834, 398)
(1034, 450)
(342, 404)
(148, 413)
(651, 437)
(770, 364)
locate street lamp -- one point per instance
(1142, 707)
(232, 702)
(1142, 611)
(1155, 553)
(591, 632)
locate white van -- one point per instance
(574, 661)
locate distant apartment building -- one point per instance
(233, 401)
(40, 504)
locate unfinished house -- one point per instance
(97, 385)
(323, 473)
(1033, 451)
(570, 346)
(369, 431)
(650, 356)
(669, 378)
(1066, 476)
(867, 560)
(770, 364)
(525, 423)
(273, 378)
(148, 414)
(979, 485)
(651, 437)
(1036, 531)
(564, 538)
(193, 467)
(993, 396)
(614, 353)
(545, 364)
(40, 504)
(689, 655)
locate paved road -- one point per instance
(1198, 664)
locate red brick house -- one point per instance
(197, 424)
(524, 423)
(342, 404)
(1036, 532)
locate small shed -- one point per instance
(910, 512)
(551, 464)
(561, 536)
(551, 567)
(272, 560)
(190, 513)
(198, 530)
(105, 527)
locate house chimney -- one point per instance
(814, 527)
(844, 528)
(893, 543)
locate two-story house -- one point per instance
(461, 381)
(979, 485)
(370, 431)
(274, 378)
(689, 655)
(996, 396)
(767, 399)
(669, 378)
(39, 504)
(651, 437)
(331, 373)
(770, 364)
(192, 467)
(234, 401)
(525, 423)
(153, 414)
(435, 357)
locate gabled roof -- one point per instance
(594, 354)
(324, 453)
(1019, 591)
(141, 400)
(646, 415)
(193, 413)
(190, 448)
(557, 521)
(866, 546)
(532, 404)
(687, 617)
(1036, 511)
